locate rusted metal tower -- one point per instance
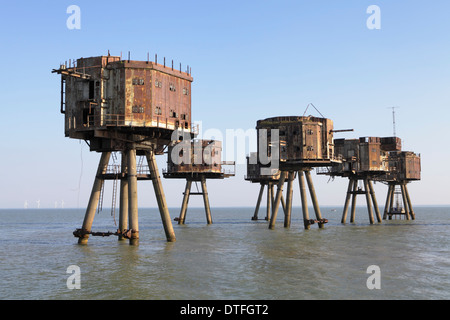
(295, 144)
(404, 167)
(132, 107)
(197, 161)
(365, 160)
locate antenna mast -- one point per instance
(393, 119)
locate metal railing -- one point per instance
(122, 120)
(203, 169)
(115, 169)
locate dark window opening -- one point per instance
(91, 89)
(86, 115)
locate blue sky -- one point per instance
(250, 60)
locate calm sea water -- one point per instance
(234, 258)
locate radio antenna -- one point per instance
(393, 119)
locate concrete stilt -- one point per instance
(368, 200)
(93, 200)
(353, 213)
(302, 185)
(288, 207)
(276, 205)
(405, 203)
(388, 201)
(391, 203)
(160, 197)
(272, 195)
(123, 207)
(408, 199)
(313, 197)
(269, 201)
(132, 197)
(206, 201)
(184, 205)
(283, 204)
(347, 199)
(258, 203)
(374, 200)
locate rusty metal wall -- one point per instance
(404, 166)
(254, 170)
(391, 144)
(301, 138)
(125, 94)
(363, 155)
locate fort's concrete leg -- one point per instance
(347, 199)
(276, 205)
(123, 215)
(391, 204)
(353, 213)
(93, 200)
(375, 202)
(288, 206)
(411, 211)
(388, 201)
(206, 201)
(132, 197)
(302, 185)
(369, 203)
(160, 197)
(313, 197)
(258, 203)
(405, 202)
(184, 205)
(269, 202)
